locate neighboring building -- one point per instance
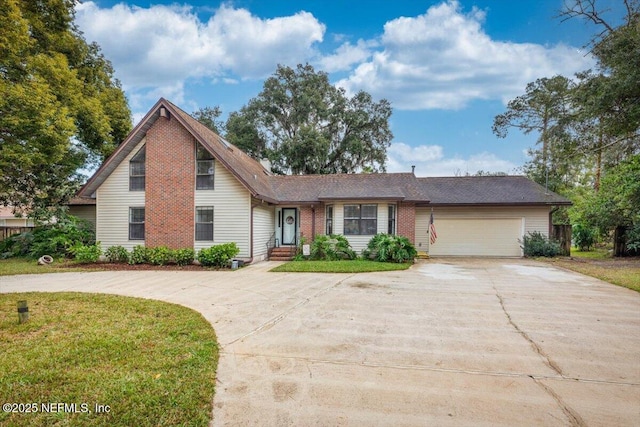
(174, 182)
(11, 224)
(8, 218)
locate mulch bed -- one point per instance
(137, 267)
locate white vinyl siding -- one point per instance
(86, 212)
(358, 243)
(479, 231)
(231, 203)
(263, 226)
(113, 202)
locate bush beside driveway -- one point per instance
(447, 342)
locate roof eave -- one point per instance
(97, 179)
(568, 203)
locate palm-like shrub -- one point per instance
(390, 248)
(331, 248)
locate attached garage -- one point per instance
(479, 231)
(478, 237)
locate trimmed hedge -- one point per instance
(218, 255)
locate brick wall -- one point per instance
(170, 184)
(306, 222)
(406, 221)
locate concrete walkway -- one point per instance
(448, 342)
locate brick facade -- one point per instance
(307, 230)
(406, 221)
(170, 184)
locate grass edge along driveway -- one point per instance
(113, 360)
(345, 266)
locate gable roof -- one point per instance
(316, 188)
(263, 185)
(488, 190)
(247, 170)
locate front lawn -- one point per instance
(355, 266)
(19, 265)
(101, 360)
(600, 264)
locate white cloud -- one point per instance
(162, 46)
(430, 160)
(347, 55)
(443, 59)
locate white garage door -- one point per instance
(478, 237)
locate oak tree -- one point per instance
(305, 125)
(61, 108)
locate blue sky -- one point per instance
(447, 67)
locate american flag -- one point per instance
(432, 230)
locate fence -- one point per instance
(6, 231)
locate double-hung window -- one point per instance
(204, 223)
(391, 226)
(329, 220)
(136, 223)
(137, 171)
(360, 219)
(204, 169)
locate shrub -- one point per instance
(537, 244)
(331, 248)
(51, 239)
(633, 239)
(116, 254)
(184, 256)
(390, 248)
(87, 253)
(218, 255)
(583, 236)
(139, 255)
(160, 255)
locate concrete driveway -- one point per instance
(448, 342)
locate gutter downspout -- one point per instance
(251, 237)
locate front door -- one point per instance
(289, 226)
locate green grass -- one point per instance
(597, 253)
(13, 266)
(600, 264)
(152, 363)
(355, 266)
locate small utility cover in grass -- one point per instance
(101, 360)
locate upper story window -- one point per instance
(204, 169)
(360, 219)
(137, 171)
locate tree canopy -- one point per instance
(589, 127)
(60, 106)
(305, 125)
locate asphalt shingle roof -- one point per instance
(484, 190)
(488, 190)
(315, 188)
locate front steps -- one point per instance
(283, 253)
